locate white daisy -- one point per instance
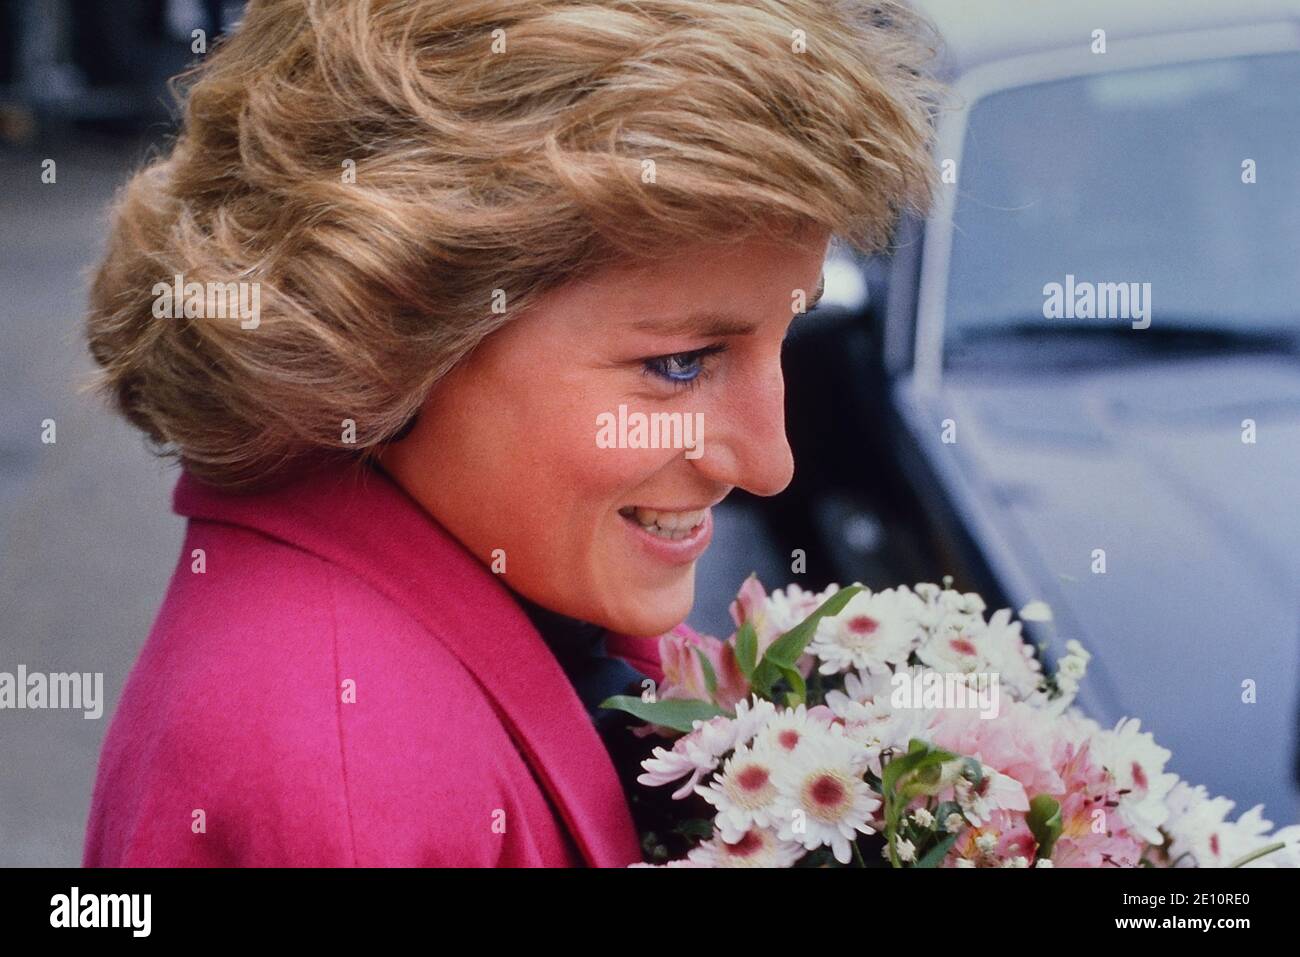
(786, 731)
(743, 793)
(788, 607)
(1137, 764)
(865, 696)
(755, 848)
(1200, 834)
(751, 717)
(870, 718)
(1196, 826)
(996, 647)
(1009, 654)
(696, 753)
(873, 631)
(822, 798)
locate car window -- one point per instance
(1134, 177)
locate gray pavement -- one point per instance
(87, 539)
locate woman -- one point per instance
(397, 300)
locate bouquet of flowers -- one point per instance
(902, 727)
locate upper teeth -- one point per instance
(674, 522)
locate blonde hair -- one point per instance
(387, 171)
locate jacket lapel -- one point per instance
(359, 519)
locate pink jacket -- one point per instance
(345, 684)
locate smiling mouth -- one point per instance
(672, 526)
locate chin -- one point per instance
(653, 612)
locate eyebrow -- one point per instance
(712, 324)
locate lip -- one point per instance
(680, 552)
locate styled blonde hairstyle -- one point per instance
(390, 173)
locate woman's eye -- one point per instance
(682, 368)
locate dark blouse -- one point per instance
(580, 648)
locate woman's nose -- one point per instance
(745, 444)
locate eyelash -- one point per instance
(653, 366)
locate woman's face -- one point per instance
(531, 445)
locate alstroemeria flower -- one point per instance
(680, 652)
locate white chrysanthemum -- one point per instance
(751, 717)
(743, 793)
(865, 696)
(1196, 826)
(871, 719)
(872, 632)
(946, 610)
(1137, 764)
(1200, 835)
(1009, 655)
(786, 731)
(787, 607)
(822, 798)
(1287, 856)
(684, 862)
(993, 647)
(756, 848)
(696, 753)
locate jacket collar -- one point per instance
(358, 518)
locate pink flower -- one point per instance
(1018, 743)
(680, 652)
(1092, 835)
(775, 614)
(750, 605)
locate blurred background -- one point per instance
(1140, 481)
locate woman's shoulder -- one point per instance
(280, 698)
(260, 614)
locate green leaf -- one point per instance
(676, 714)
(710, 676)
(785, 651)
(1044, 820)
(695, 827)
(906, 777)
(798, 689)
(935, 855)
(765, 675)
(747, 648)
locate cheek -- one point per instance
(542, 463)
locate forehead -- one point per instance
(744, 267)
